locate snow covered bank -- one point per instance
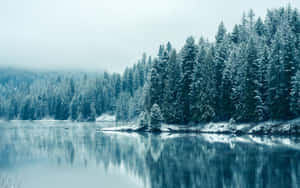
(106, 118)
(265, 128)
(125, 128)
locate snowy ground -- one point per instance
(107, 123)
(106, 118)
(265, 128)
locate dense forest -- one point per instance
(250, 74)
(77, 96)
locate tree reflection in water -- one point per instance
(159, 160)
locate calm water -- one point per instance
(44, 157)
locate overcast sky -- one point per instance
(109, 34)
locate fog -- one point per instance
(96, 35)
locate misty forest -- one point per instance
(222, 111)
(249, 74)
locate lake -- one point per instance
(35, 155)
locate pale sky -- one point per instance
(109, 34)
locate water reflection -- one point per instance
(149, 160)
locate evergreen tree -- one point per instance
(238, 60)
(189, 55)
(226, 87)
(222, 32)
(122, 107)
(171, 101)
(158, 77)
(156, 117)
(221, 56)
(161, 51)
(117, 86)
(74, 109)
(282, 69)
(253, 102)
(295, 95)
(156, 87)
(202, 108)
(235, 34)
(169, 47)
(260, 27)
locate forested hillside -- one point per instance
(250, 74)
(29, 95)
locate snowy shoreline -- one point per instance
(291, 127)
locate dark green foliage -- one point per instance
(260, 27)
(220, 57)
(253, 100)
(189, 57)
(171, 102)
(295, 95)
(235, 34)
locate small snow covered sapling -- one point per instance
(156, 117)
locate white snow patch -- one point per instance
(106, 117)
(128, 127)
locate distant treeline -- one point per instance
(29, 95)
(250, 74)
